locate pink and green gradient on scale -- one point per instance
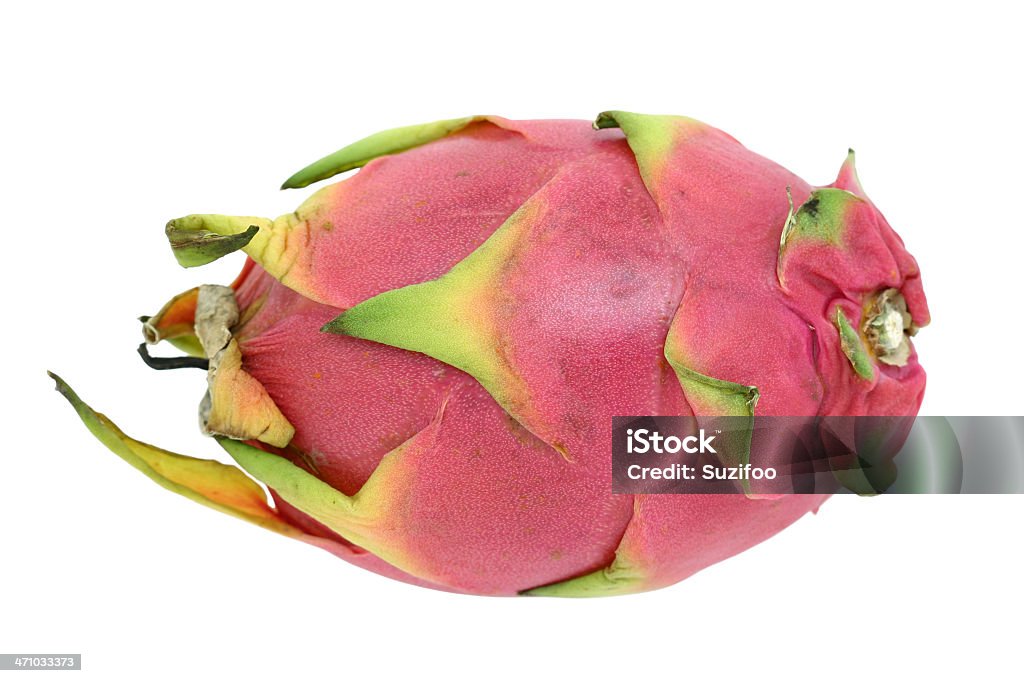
(423, 361)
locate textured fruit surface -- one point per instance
(423, 361)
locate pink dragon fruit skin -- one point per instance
(422, 363)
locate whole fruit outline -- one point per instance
(422, 362)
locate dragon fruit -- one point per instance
(422, 362)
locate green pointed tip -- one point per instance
(347, 324)
(620, 578)
(298, 487)
(606, 119)
(714, 396)
(335, 326)
(194, 246)
(96, 423)
(89, 416)
(386, 142)
(307, 177)
(853, 347)
(63, 389)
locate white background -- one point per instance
(118, 117)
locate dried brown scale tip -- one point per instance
(887, 324)
(235, 404)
